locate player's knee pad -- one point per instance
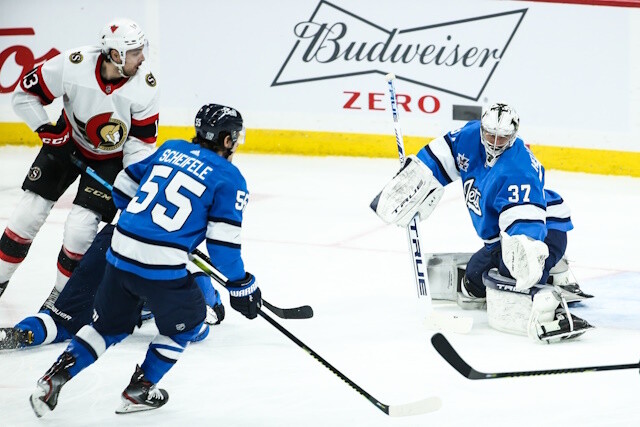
(29, 215)
(517, 312)
(80, 229)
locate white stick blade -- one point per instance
(424, 406)
(390, 77)
(436, 321)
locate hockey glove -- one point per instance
(55, 135)
(245, 296)
(525, 258)
(414, 190)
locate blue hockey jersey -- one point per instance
(171, 201)
(510, 196)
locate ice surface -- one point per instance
(310, 238)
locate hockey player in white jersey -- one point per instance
(172, 201)
(523, 225)
(110, 117)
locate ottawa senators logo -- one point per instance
(34, 173)
(76, 58)
(150, 79)
(103, 131)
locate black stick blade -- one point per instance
(448, 353)
(303, 312)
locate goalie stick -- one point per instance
(304, 312)
(433, 320)
(446, 350)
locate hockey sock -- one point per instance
(67, 262)
(88, 345)
(13, 250)
(211, 296)
(164, 352)
(42, 326)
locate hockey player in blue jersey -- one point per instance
(172, 201)
(74, 307)
(523, 225)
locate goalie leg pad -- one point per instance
(445, 270)
(538, 312)
(413, 191)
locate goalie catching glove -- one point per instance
(524, 257)
(414, 190)
(245, 296)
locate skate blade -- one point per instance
(39, 407)
(127, 407)
(573, 296)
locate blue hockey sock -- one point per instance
(164, 352)
(88, 345)
(44, 328)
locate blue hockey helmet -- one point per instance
(498, 130)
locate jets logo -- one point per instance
(103, 131)
(463, 162)
(76, 58)
(150, 79)
(472, 196)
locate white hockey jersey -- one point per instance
(108, 118)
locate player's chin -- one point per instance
(131, 73)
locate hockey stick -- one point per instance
(304, 312)
(423, 406)
(433, 320)
(414, 408)
(442, 346)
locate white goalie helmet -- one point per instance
(122, 34)
(498, 130)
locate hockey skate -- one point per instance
(51, 299)
(141, 395)
(466, 300)
(12, 338)
(45, 398)
(561, 277)
(565, 326)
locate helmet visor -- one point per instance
(240, 136)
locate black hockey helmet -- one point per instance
(214, 122)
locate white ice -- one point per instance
(310, 238)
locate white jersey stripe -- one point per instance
(442, 151)
(558, 211)
(521, 212)
(223, 232)
(146, 253)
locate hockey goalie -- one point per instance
(520, 274)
